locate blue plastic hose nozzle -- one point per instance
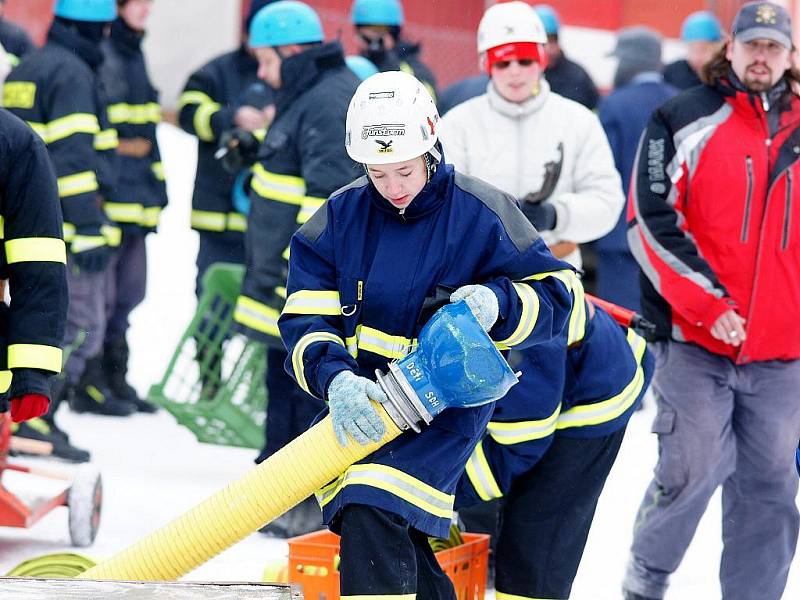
(455, 365)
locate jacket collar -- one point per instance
(303, 70)
(513, 109)
(85, 49)
(128, 41)
(429, 200)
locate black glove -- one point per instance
(238, 149)
(542, 215)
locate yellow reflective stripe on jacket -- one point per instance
(106, 140)
(205, 220)
(79, 183)
(2, 227)
(5, 381)
(481, 476)
(202, 121)
(19, 94)
(151, 216)
(517, 432)
(158, 170)
(202, 116)
(313, 302)
(309, 206)
(528, 316)
(504, 596)
(134, 114)
(610, 409)
(194, 97)
(257, 316)
(64, 127)
(131, 212)
(394, 481)
(577, 319)
(111, 234)
(36, 250)
(34, 356)
(69, 231)
(300, 348)
(281, 188)
(82, 243)
(376, 341)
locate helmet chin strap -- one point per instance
(432, 159)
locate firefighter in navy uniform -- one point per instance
(302, 162)
(33, 260)
(378, 25)
(360, 275)
(140, 193)
(223, 95)
(56, 91)
(534, 480)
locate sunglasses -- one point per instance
(504, 64)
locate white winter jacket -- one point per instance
(508, 144)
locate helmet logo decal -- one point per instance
(381, 95)
(385, 147)
(383, 130)
(430, 124)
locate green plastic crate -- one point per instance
(214, 383)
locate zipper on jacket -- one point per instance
(787, 211)
(749, 199)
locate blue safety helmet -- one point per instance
(549, 18)
(285, 22)
(99, 11)
(377, 12)
(701, 26)
(362, 67)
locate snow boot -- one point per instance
(94, 396)
(115, 368)
(41, 431)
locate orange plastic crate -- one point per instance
(314, 564)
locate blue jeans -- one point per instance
(721, 424)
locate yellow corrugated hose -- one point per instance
(265, 493)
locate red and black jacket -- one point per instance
(713, 219)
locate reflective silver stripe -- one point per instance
(523, 431)
(610, 409)
(393, 481)
(313, 302)
(480, 475)
(378, 342)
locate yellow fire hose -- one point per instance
(265, 493)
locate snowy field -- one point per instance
(153, 469)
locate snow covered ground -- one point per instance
(153, 469)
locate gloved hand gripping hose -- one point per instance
(455, 365)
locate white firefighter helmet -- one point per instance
(392, 118)
(508, 23)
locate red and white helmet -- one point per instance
(391, 118)
(512, 31)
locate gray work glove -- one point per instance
(351, 410)
(481, 301)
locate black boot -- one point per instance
(37, 429)
(115, 368)
(93, 394)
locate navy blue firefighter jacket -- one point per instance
(359, 275)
